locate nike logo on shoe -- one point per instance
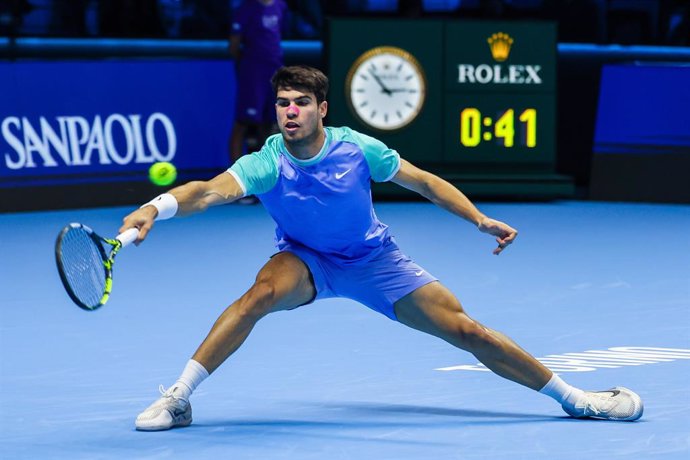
(179, 416)
(614, 393)
(341, 174)
(176, 412)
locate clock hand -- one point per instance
(378, 80)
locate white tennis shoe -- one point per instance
(615, 404)
(169, 411)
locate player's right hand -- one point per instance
(504, 233)
(142, 219)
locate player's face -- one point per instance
(300, 117)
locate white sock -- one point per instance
(192, 375)
(561, 391)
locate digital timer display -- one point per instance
(502, 127)
(475, 127)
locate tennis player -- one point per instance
(315, 183)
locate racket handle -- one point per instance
(128, 236)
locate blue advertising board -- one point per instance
(643, 110)
(642, 134)
(73, 122)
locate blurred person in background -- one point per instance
(255, 46)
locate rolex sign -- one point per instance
(500, 56)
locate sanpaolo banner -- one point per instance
(98, 121)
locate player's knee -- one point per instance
(472, 335)
(259, 300)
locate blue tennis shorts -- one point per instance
(377, 283)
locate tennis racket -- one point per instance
(85, 264)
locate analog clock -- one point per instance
(385, 88)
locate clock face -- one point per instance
(385, 88)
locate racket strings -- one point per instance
(83, 266)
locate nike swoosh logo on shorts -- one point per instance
(340, 175)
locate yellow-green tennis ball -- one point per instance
(162, 173)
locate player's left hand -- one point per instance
(504, 233)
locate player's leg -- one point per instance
(435, 310)
(283, 283)
(393, 284)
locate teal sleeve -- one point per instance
(383, 162)
(257, 173)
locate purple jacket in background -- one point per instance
(260, 26)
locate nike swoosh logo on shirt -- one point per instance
(340, 175)
(419, 273)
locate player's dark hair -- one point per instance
(301, 78)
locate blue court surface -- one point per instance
(599, 291)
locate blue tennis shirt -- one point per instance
(323, 203)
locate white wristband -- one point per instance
(166, 204)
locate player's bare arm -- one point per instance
(197, 196)
(192, 197)
(448, 197)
